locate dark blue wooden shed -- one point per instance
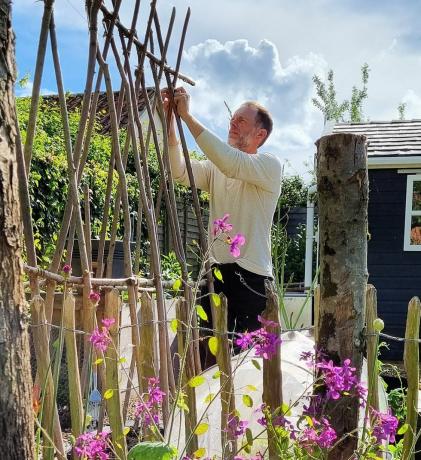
(394, 219)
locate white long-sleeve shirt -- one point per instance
(245, 186)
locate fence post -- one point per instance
(372, 344)
(75, 393)
(412, 367)
(190, 417)
(342, 184)
(42, 354)
(112, 310)
(148, 339)
(316, 312)
(223, 358)
(272, 375)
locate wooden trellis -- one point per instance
(139, 56)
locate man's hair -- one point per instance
(263, 117)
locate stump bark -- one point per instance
(16, 413)
(342, 183)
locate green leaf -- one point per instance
(286, 409)
(151, 451)
(251, 388)
(209, 398)
(216, 375)
(309, 421)
(126, 431)
(213, 345)
(403, 429)
(201, 313)
(108, 394)
(256, 364)
(216, 299)
(247, 401)
(99, 361)
(218, 274)
(174, 325)
(177, 285)
(202, 428)
(122, 360)
(201, 452)
(249, 437)
(196, 381)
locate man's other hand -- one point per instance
(182, 102)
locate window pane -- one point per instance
(416, 230)
(416, 196)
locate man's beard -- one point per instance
(242, 142)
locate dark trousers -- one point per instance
(245, 293)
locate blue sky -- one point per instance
(267, 51)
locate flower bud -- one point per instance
(378, 325)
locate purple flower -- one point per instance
(320, 434)
(339, 379)
(67, 269)
(92, 445)
(384, 426)
(148, 410)
(108, 322)
(265, 343)
(236, 427)
(221, 225)
(235, 243)
(94, 297)
(100, 339)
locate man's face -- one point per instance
(243, 129)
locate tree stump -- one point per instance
(342, 183)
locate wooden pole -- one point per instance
(342, 184)
(272, 376)
(112, 310)
(185, 349)
(372, 344)
(226, 379)
(412, 367)
(75, 393)
(42, 354)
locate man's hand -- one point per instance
(182, 102)
(182, 108)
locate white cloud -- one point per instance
(236, 71)
(26, 90)
(413, 104)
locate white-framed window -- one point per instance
(412, 237)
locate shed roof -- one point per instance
(74, 102)
(387, 138)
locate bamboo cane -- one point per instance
(412, 367)
(39, 67)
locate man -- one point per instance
(244, 184)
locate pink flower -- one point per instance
(92, 446)
(150, 407)
(94, 297)
(235, 243)
(221, 225)
(108, 322)
(320, 434)
(67, 269)
(236, 427)
(100, 339)
(265, 343)
(384, 426)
